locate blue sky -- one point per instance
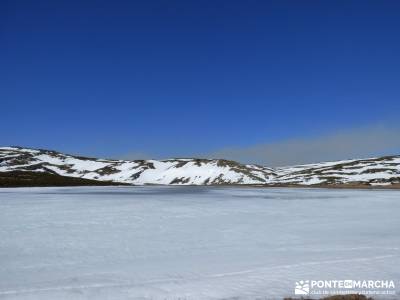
(185, 78)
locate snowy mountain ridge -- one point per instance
(382, 171)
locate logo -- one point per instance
(302, 287)
(348, 286)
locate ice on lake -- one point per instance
(191, 242)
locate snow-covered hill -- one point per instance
(377, 171)
(374, 171)
(171, 171)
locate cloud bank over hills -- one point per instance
(363, 142)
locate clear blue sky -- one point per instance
(179, 77)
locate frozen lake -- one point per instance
(191, 242)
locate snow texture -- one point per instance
(191, 242)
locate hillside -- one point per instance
(30, 167)
(380, 171)
(171, 171)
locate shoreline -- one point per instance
(94, 183)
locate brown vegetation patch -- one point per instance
(371, 171)
(180, 180)
(107, 170)
(30, 179)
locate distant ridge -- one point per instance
(37, 167)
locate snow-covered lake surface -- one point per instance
(191, 242)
